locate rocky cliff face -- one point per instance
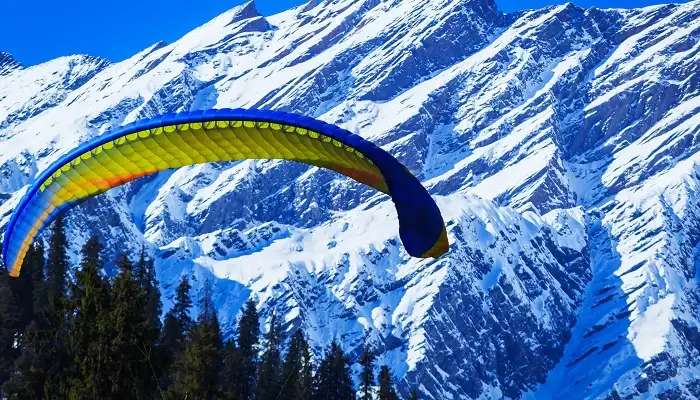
(559, 143)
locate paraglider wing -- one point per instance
(176, 140)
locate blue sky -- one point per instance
(39, 30)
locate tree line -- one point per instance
(93, 337)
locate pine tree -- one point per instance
(270, 368)
(18, 307)
(169, 345)
(146, 276)
(231, 364)
(42, 370)
(183, 304)
(305, 384)
(386, 384)
(19, 378)
(52, 347)
(22, 289)
(323, 379)
(413, 395)
(39, 295)
(57, 262)
(176, 326)
(53, 329)
(29, 377)
(367, 381)
(50, 342)
(90, 329)
(196, 373)
(248, 338)
(132, 343)
(9, 321)
(297, 370)
(333, 379)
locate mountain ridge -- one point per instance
(559, 144)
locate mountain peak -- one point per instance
(8, 63)
(245, 11)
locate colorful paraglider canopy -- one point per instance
(176, 140)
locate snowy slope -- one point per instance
(559, 143)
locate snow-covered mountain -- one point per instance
(562, 146)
